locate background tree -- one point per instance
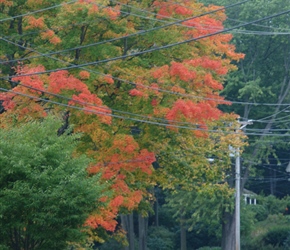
(263, 77)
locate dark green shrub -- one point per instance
(160, 238)
(277, 235)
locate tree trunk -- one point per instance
(127, 222)
(156, 206)
(143, 226)
(182, 234)
(228, 231)
(156, 213)
(84, 29)
(273, 182)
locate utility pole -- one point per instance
(238, 191)
(238, 199)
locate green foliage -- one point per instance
(209, 248)
(270, 205)
(268, 234)
(110, 244)
(45, 192)
(286, 243)
(248, 219)
(277, 235)
(160, 238)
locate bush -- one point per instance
(277, 235)
(45, 192)
(160, 238)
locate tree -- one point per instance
(46, 194)
(133, 110)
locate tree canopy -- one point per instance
(138, 82)
(46, 194)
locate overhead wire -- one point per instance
(129, 13)
(142, 10)
(252, 130)
(110, 109)
(134, 119)
(270, 116)
(159, 48)
(129, 113)
(113, 77)
(210, 27)
(262, 26)
(112, 115)
(130, 35)
(37, 11)
(134, 83)
(85, 110)
(89, 110)
(85, 103)
(263, 18)
(277, 120)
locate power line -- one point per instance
(134, 119)
(121, 79)
(164, 47)
(109, 109)
(210, 27)
(116, 78)
(107, 114)
(142, 85)
(37, 11)
(129, 13)
(85, 103)
(130, 35)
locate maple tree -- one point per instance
(118, 105)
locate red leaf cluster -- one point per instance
(180, 70)
(167, 9)
(193, 112)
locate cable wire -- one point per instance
(107, 114)
(37, 11)
(160, 48)
(118, 78)
(131, 35)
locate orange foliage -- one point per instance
(105, 219)
(50, 35)
(135, 92)
(108, 79)
(6, 3)
(84, 74)
(193, 112)
(167, 9)
(208, 63)
(47, 34)
(113, 13)
(160, 72)
(55, 40)
(93, 9)
(7, 101)
(154, 102)
(58, 83)
(209, 81)
(34, 23)
(180, 70)
(117, 201)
